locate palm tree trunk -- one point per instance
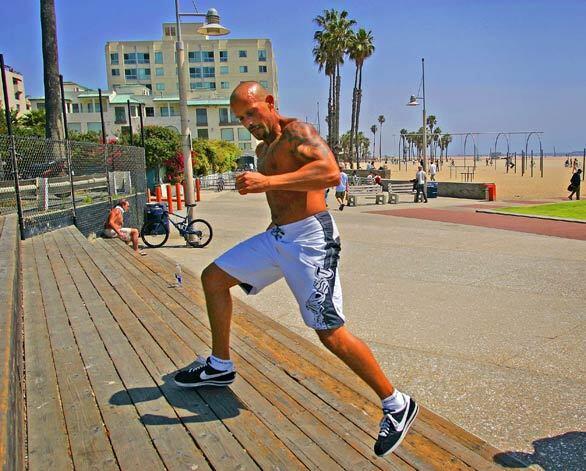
(330, 110)
(53, 116)
(352, 130)
(358, 101)
(337, 120)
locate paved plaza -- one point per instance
(484, 326)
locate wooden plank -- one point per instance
(88, 438)
(130, 440)
(44, 411)
(468, 455)
(451, 435)
(174, 444)
(11, 405)
(258, 439)
(213, 438)
(247, 369)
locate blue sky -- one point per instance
(493, 65)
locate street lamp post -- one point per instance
(212, 27)
(413, 102)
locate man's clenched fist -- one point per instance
(252, 182)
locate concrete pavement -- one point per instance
(482, 325)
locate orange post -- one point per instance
(158, 194)
(169, 199)
(148, 195)
(178, 196)
(197, 188)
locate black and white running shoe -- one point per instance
(204, 375)
(394, 426)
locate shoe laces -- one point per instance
(199, 364)
(386, 423)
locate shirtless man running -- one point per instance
(302, 244)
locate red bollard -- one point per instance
(178, 196)
(158, 194)
(169, 199)
(197, 188)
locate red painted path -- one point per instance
(568, 230)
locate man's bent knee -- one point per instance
(331, 338)
(214, 278)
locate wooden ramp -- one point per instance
(104, 333)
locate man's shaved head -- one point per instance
(250, 92)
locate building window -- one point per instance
(94, 127)
(158, 57)
(243, 134)
(115, 72)
(242, 53)
(134, 111)
(202, 72)
(119, 115)
(159, 71)
(262, 55)
(227, 134)
(243, 69)
(202, 85)
(201, 56)
(223, 56)
(130, 74)
(40, 106)
(75, 107)
(264, 83)
(201, 116)
(114, 58)
(245, 146)
(90, 107)
(76, 127)
(130, 58)
(223, 116)
(149, 112)
(160, 87)
(224, 85)
(224, 69)
(202, 134)
(144, 74)
(262, 69)
(164, 111)
(170, 31)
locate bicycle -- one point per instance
(198, 233)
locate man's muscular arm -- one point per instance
(318, 171)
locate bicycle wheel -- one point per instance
(198, 233)
(154, 234)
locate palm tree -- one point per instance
(435, 137)
(373, 129)
(431, 122)
(381, 120)
(361, 47)
(444, 143)
(345, 145)
(332, 45)
(402, 133)
(54, 116)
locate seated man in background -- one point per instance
(113, 226)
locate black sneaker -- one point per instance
(394, 426)
(341, 208)
(204, 375)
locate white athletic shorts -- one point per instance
(111, 233)
(306, 253)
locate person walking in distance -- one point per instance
(342, 190)
(420, 182)
(432, 171)
(574, 187)
(301, 244)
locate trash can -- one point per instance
(156, 212)
(432, 189)
(491, 192)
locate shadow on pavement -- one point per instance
(565, 452)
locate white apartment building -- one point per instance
(16, 96)
(144, 73)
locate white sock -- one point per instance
(221, 365)
(395, 402)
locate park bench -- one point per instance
(365, 191)
(396, 188)
(104, 330)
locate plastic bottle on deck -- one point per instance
(178, 275)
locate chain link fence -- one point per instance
(62, 183)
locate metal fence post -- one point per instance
(12, 149)
(140, 109)
(130, 123)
